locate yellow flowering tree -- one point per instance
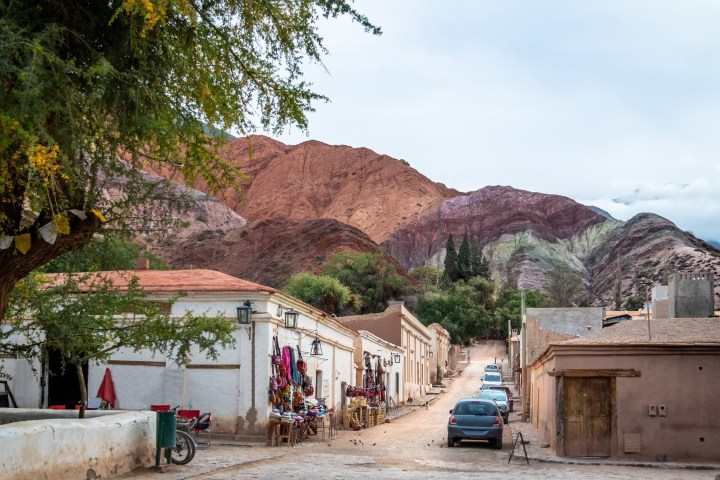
(92, 92)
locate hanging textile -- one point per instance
(295, 374)
(287, 361)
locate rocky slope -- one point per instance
(266, 252)
(647, 248)
(374, 193)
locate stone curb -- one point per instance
(681, 466)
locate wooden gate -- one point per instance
(586, 420)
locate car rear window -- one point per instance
(492, 377)
(474, 408)
(494, 394)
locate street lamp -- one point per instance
(396, 357)
(244, 312)
(291, 318)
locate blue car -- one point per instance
(475, 419)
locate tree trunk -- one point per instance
(16, 266)
(83, 390)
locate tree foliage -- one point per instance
(634, 303)
(103, 253)
(86, 318)
(323, 292)
(480, 265)
(464, 260)
(369, 275)
(457, 311)
(565, 287)
(452, 271)
(91, 92)
(507, 307)
(428, 277)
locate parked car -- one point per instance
(492, 368)
(492, 378)
(500, 398)
(475, 419)
(505, 389)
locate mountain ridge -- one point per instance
(317, 196)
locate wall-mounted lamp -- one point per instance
(430, 354)
(291, 318)
(280, 310)
(396, 357)
(316, 348)
(244, 312)
(244, 315)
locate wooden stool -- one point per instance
(284, 431)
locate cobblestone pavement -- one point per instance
(412, 446)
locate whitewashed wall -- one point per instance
(107, 445)
(233, 387)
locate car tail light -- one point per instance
(498, 422)
(452, 420)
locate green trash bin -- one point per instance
(166, 433)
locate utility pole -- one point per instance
(523, 357)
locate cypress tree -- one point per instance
(452, 272)
(464, 260)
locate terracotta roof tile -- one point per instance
(663, 331)
(197, 280)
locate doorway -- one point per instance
(586, 418)
(63, 387)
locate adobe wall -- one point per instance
(547, 325)
(56, 444)
(691, 429)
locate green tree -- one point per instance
(369, 275)
(92, 92)
(634, 303)
(427, 276)
(507, 307)
(77, 315)
(103, 253)
(323, 292)
(565, 287)
(464, 260)
(452, 270)
(457, 311)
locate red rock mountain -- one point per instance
(374, 193)
(304, 203)
(269, 251)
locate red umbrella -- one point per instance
(107, 389)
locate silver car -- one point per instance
(475, 419)
(500, 398)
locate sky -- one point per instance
(614, 104)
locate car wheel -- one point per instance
(451, 442)
(498, 443)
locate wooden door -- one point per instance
(586, 421)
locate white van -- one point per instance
(492, 378)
